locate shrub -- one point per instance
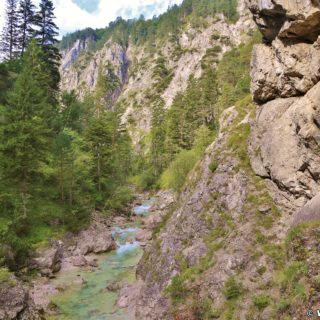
(283, 305)
(261, 301)
(175, 176)
(232, 290)
(202, 309)
(213, 166)
(119, 199)
(6, 277)
(144, 181)
(176, 290)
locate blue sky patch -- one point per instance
(89, 6)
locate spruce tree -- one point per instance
(46, 36)
(26, 27)
(10, 34)
(26, 133)
(158, 136)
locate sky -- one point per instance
(75, 15)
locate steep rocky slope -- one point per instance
(237, 244)
(135, 66)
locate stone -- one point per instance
(95, 240)
(144, 236)
(194, 253)
(264, 209)
(12, 300)
(113, 286)
(15, 302)
(79, 261)
(48, 261)
(310, 212)
(284, 69)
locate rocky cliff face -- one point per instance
(285, 74)
(225, 250)
(135, 66)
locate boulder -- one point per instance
(95, 240)
(144, 236)
(310, 212)
(48, 261)
(15, 302)
(79, 261)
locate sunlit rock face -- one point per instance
(287, 19)
(285, 83)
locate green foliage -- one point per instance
(175, 176)
(276, 253)
(176, 290)
(54, 182)
(283, 305)
(202, 309)
(120, 197)
(233, 74)
(146, 180)
(261, 301)
(143, 31)
(232, 289)
(6, 277)
(292, 274)
(213, 166)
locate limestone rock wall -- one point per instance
(285, 72)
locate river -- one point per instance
(87, 296)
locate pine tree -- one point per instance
(10, 33)
(46, 36)
(26, 27)
(26, 133)
(70, 126)
(158, 136)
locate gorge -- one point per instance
(210, 112)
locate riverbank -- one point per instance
(91, 269)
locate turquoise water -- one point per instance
(92, 301)
(144, 208)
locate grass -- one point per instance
(232, 289)
(175, 176)
(261, 301)
(213, 166)
(6, 277)
(177, 289)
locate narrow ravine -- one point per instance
(92, 294)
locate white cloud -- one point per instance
(71, 17)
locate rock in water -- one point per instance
(96, 240)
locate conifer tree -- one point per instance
(10, 33)
(46, 35)
(158, 136)
(27, 135)
(26, 26)
(107, 141)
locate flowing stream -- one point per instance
(89, 299)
